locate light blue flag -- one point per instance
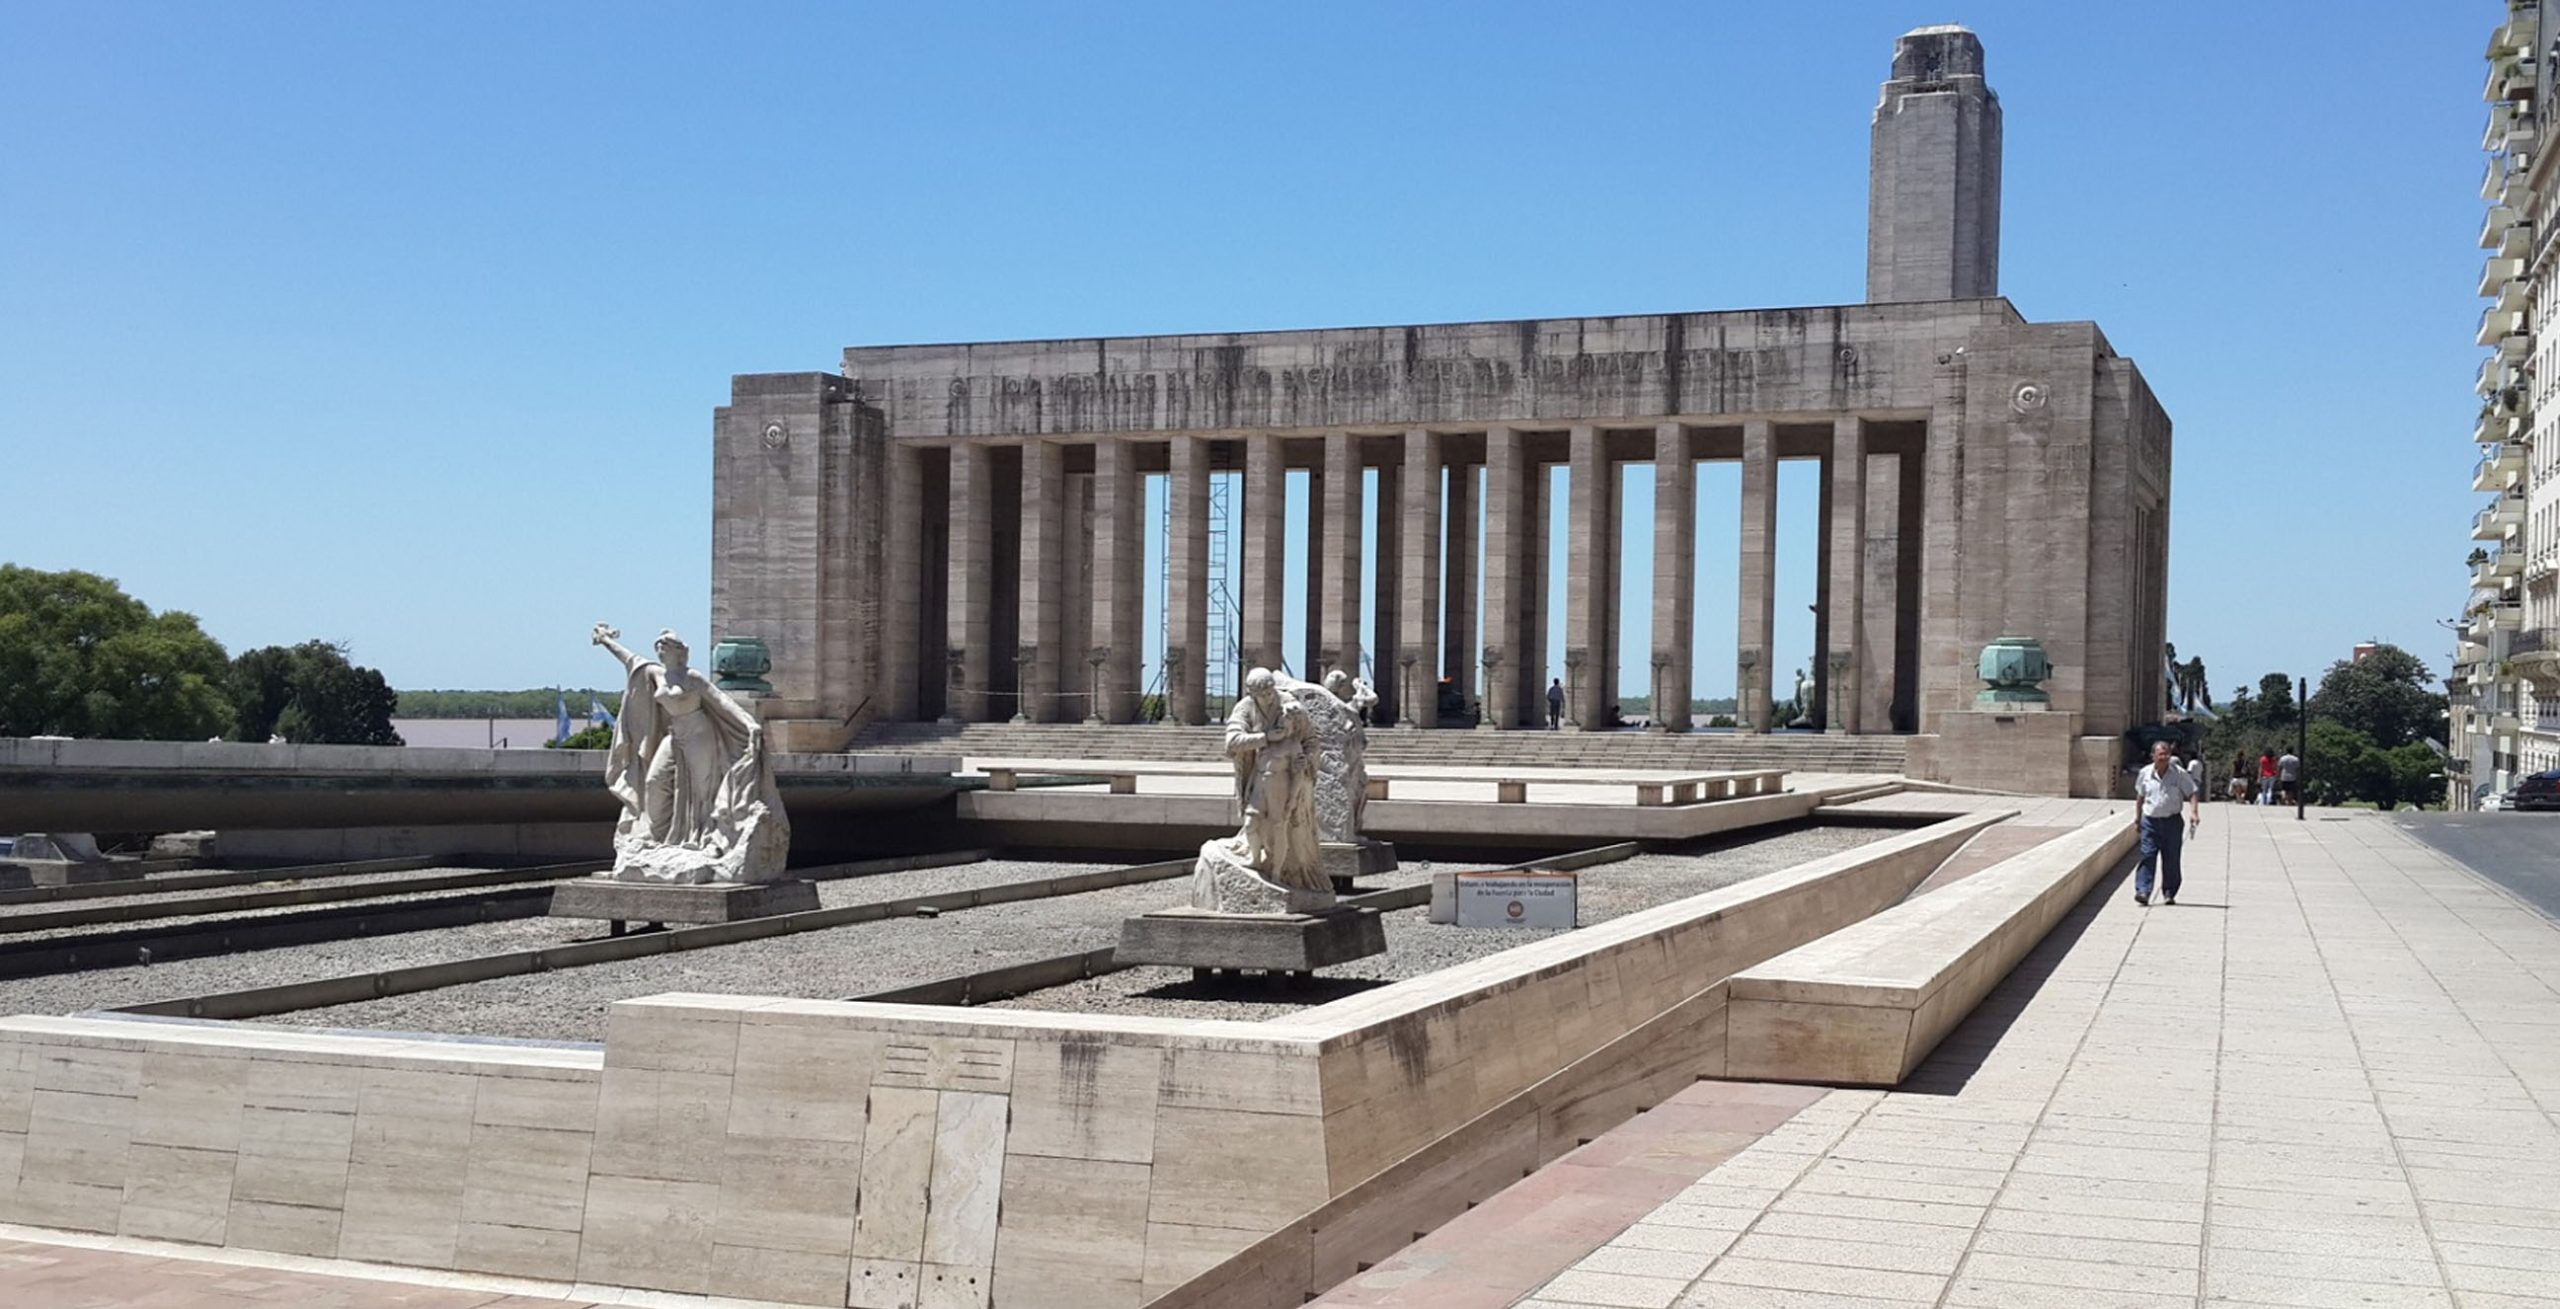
(560, 729)
(596, 714)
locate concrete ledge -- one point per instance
(1864, 1005)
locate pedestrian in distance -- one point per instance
(1555, 704)
(2195, 769)
(2266, 777)
(2158, 792)
(2289, 778)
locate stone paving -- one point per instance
(2330, 1076)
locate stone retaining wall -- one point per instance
(815, 1152)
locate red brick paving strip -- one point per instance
(36, 1276)
(1539, 1226)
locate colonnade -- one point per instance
(1042, 594)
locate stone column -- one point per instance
(972, 584)
(1759, 596)
(1845, 661)
(1119, 582)
(1675, 563)
(1311, 658)
(1591, 678)
(1505, 594)
(1266, 550)
(1339, 646)
(1386, 613)
(1040, 664)
(1417, 670)
(1458, 628)
(1186, 654)
(1877, 648)
(900, 641)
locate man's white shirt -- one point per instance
(2161, 793)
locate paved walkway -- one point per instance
(2329, 1077)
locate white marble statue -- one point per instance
(693, 773)
(1341, 710)
(1274, 863)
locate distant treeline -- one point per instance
(1627, 704)
(537, 703)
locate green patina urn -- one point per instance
(739, 663)
(2013, 666)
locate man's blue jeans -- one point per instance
(2162, 840)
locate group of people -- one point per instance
(2276, 780)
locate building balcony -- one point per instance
(2483, 573)
(2512, 299)
(2497, 272)
(2516, 37)
(2533, 653)
(2517, 243)
(2501, 220)
(2493, 134)
(2521, 136)
(2515, 347)
(2498, 472)
(2497, 426)
(2506, 565)
(2500, 520)
(2498, 321)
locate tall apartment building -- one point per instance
(2505, 683)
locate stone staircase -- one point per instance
(1798, 752)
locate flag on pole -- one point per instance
(596, 714)
(560, 729)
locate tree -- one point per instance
(311, 694)
(2384, 696)
(79, 657)
(2344, 765)
(2275, 699)
(2417, 774)
(598, 737)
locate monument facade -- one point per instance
(957, 531)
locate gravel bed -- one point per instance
(109, 988)
(833, 964)
(1416, 946)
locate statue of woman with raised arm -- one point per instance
(690, 767)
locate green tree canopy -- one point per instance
(311, 694)
(2384, 696)
(79, 657)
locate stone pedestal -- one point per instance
(1346, 860)
(1274, 943)
(660, 902)
(2017, 748)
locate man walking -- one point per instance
(2158, 791)
(2289, 778)
(1555, 704)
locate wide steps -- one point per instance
(1809, 753)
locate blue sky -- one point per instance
(403, 325)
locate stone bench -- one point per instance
(1123, 774)
(1512, 787)
(1865, 1004)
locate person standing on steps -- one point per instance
(2158, 791)
(1555, 704)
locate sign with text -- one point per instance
(1516, 900)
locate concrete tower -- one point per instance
(1933, 186)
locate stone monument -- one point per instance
(1261, 899)
(702, 837)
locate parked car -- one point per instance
(2487, 798)
(2539, 791)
